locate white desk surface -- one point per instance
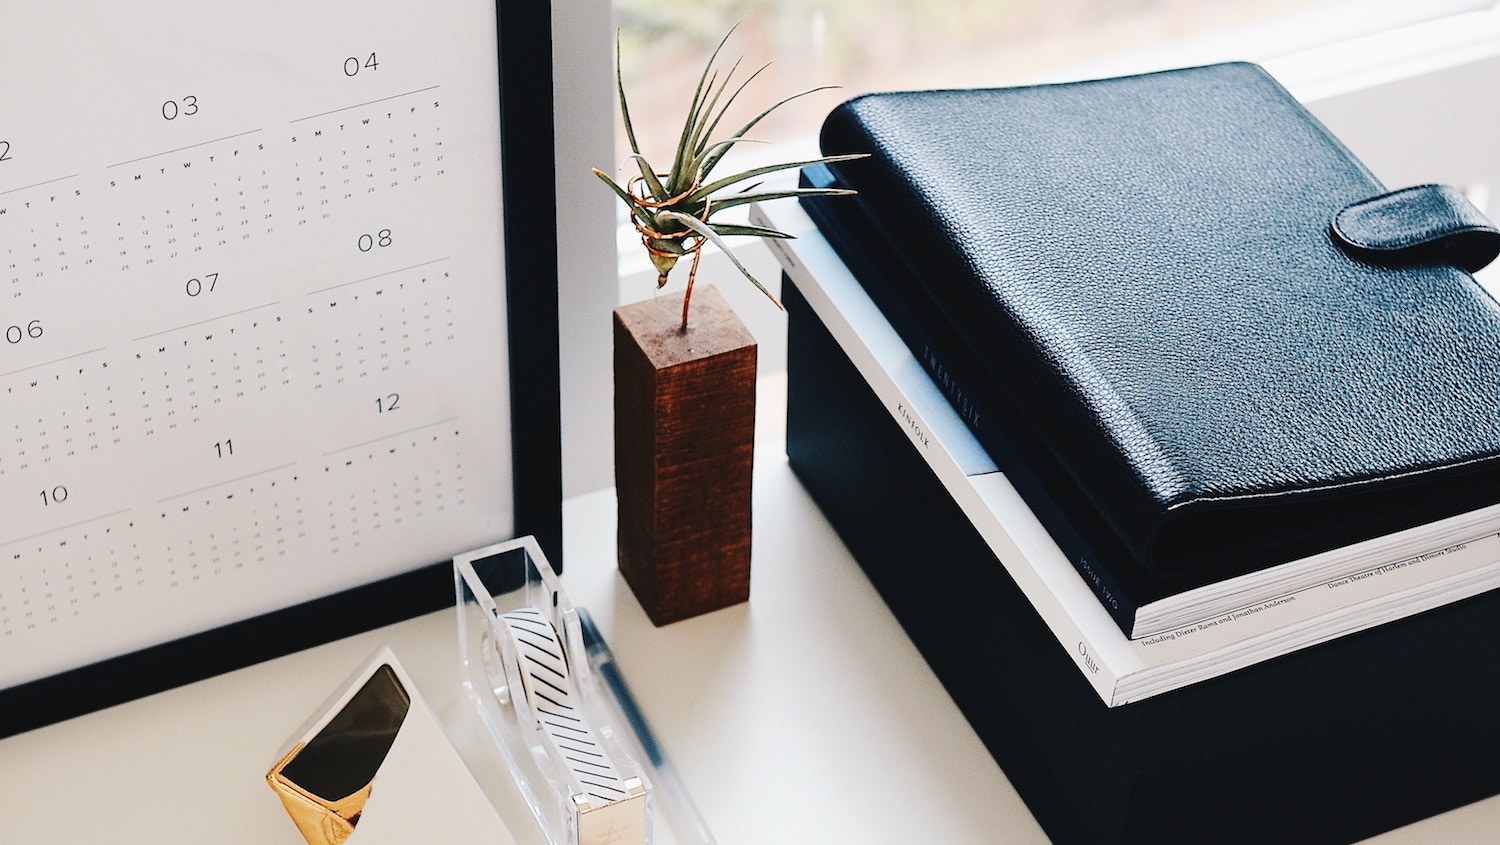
(803, 716)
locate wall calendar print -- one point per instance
(253, 319)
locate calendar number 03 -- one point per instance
(186, 107)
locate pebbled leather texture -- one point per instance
(1420, 223)
(1147, 268)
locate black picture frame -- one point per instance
(528, 176)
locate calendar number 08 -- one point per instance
(368, 242)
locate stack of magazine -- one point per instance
(1121, 669)
(1338, 464)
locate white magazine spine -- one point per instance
(1098, 663)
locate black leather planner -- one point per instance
(1212, 316)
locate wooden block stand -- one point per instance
(684, 450)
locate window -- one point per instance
(866, 45)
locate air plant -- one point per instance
(674, 209)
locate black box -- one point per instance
(1333, 743)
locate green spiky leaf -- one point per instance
(742, 229)
(721, 203)
(680, 203)
(707, 231)
(721, 184)
(712, 161)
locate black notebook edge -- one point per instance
(1052, 494)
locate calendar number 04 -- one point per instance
(353, 65)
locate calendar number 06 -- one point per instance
(16, 334)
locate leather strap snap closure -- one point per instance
(1421, 223)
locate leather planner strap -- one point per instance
(1421, 223)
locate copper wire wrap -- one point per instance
(692, 242)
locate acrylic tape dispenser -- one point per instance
(526, 668)
(552, 701)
